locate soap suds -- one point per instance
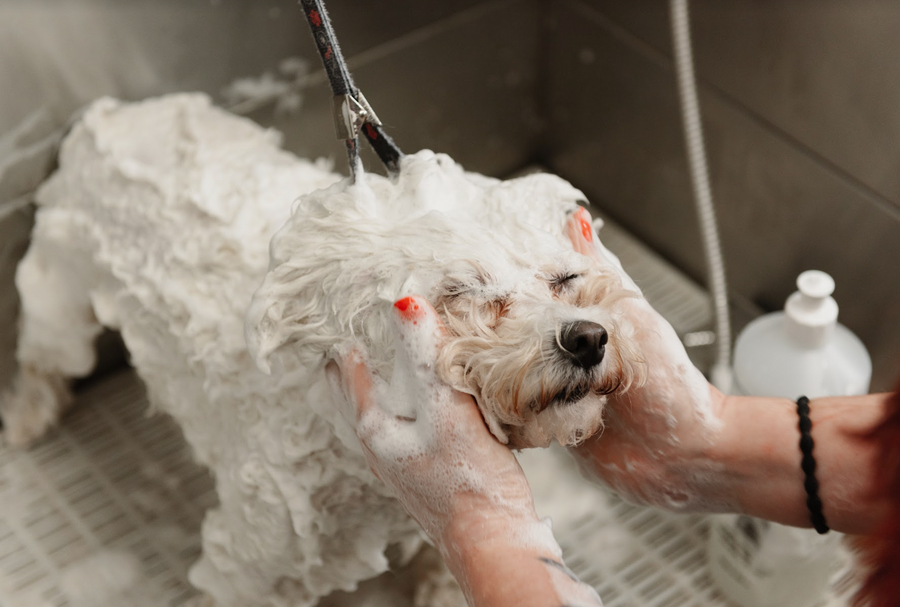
(486, 253)
(110, 578)
(158, 224)
(580, 510)
(162, 212)
(283, 88)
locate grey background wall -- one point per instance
(801, 101)
(801, 105)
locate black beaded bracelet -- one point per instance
(808, 463)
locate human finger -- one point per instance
(418, 331)
(349, 373)
(580, 231)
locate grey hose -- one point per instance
(696, 152)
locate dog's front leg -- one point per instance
(57, 329)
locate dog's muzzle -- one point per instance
(584, 343)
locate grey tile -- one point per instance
(824, 72)
(648, 20)
(616, 133)
(468, 90)
(27, 155)
(359, 29)
(60, 56)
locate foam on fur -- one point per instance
(158, 224)
(493, 257)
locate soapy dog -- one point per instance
(235, 270)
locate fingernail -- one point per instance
(410, 308)
(585, 223)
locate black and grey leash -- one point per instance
(352, 113)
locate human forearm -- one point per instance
(511, 561)
(746, 459)
(760, 458)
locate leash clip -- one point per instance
(350, 114)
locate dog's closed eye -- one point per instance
(562, 282)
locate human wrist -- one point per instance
(476, 520)
(758, 447)
(493, 552)
(479, 527)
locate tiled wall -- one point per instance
(801, 101)
(801, 105)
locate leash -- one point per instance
(351, 112)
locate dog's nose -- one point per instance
(584, 342)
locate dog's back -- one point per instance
(178, 201)
(157, 224)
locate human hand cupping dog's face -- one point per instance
(424, 439)
(656, 434)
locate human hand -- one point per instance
(429, 442)
(654, 449)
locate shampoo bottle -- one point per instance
(802, 351)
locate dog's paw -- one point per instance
(32, 406)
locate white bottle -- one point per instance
(802, 351)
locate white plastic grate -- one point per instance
(118, 482)
(111, 481)
(667, 566)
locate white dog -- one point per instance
(157, 224)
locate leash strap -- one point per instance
(352, 113)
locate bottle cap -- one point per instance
(811, 310)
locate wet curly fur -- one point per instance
(507, 352)
(163, 220)
(496, 261)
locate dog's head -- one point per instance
(535, 329)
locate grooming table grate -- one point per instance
(112, 483)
